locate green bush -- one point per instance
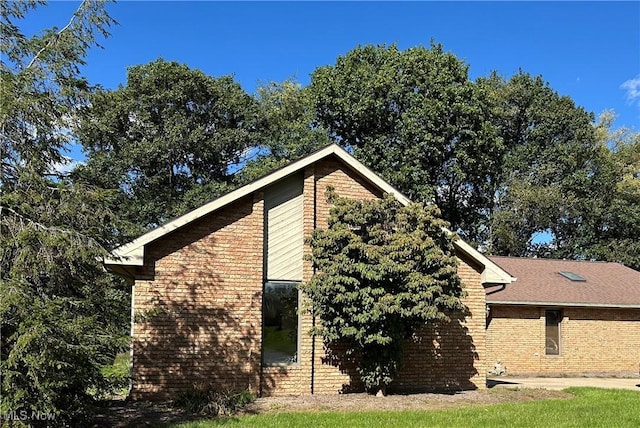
(117, 374)
(383, 271)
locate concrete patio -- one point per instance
(563, 382)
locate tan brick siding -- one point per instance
(450, 356)
(593, 341)
(198, 309)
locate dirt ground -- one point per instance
(129, 414)
(365, 402)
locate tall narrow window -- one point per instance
(552, 342)
(280, 312)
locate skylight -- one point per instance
(572, 276)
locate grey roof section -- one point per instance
(606, 284)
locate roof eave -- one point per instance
(126, 257)
(492, 273)
(132, 254)
(564, 304)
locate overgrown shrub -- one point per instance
(118, 374)
(210, 401)
(383, 271)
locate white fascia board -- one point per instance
(134, 257)
(132, 254)
(492, 273)
(567, 304)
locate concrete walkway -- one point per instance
(562, 383)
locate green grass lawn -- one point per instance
(591, 407)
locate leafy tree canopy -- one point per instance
(384, 270)
(287, 130)
(504, 159)
(61, 319)
(609, 222)
(415, 118)
(549, 168)
(166, 140)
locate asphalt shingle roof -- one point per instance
(539, 281)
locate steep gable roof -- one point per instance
(132, 254)
(550, 282)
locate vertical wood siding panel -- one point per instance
(284, 238)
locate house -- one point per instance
(214, 294)
(564, 317)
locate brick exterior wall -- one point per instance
(198, 310)
(455, 358)
(594, 341)
(198, 305)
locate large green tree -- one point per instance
(60, 318)
(166, 139)
(609, 224)
(415, 118)
(383, 271)
(552, 156)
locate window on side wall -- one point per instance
(280, 321)
(553, 319)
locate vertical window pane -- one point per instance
(552, 342)
(280, 323)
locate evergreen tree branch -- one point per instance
(50, 229)
(54, 38)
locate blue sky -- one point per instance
(589, 51)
